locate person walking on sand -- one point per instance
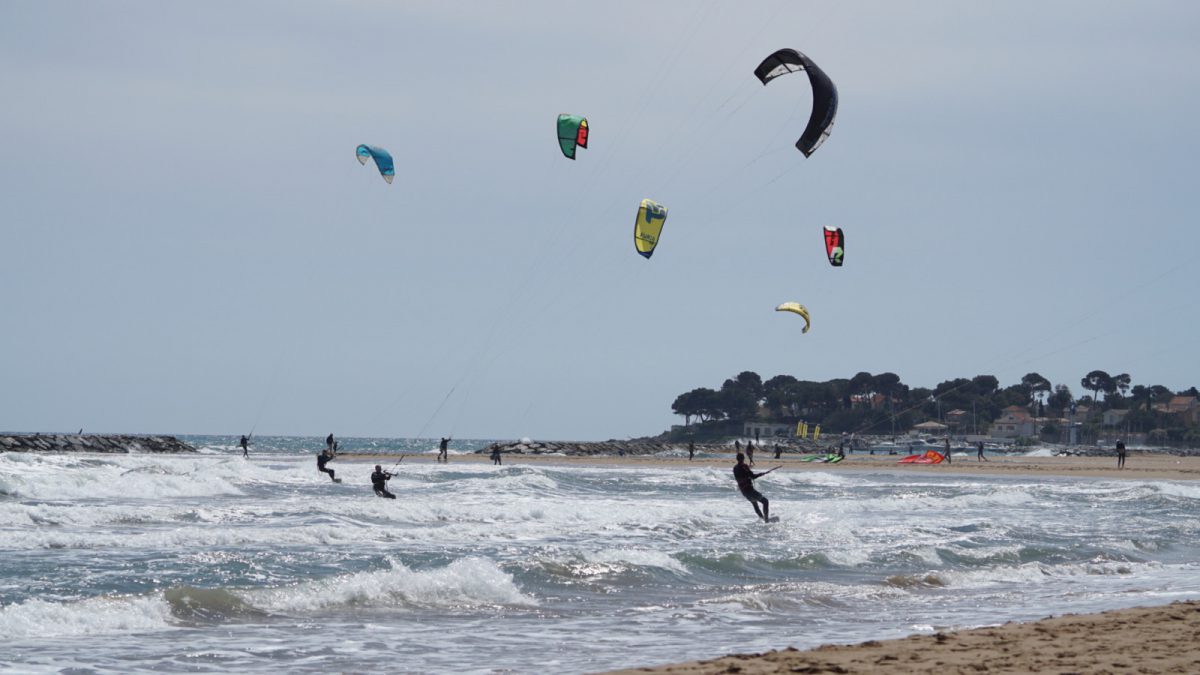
(745, 482)
(948, 451)
(379, 481)
(750, 452)
(1120, 454)
(443, 452)
(324, 458)
(245, 445)
(979, 451)
(496, 455)
(691, 450)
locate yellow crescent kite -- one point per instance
(796, 308)
(648, 228)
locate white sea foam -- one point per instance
(467, 582)
(93, 616)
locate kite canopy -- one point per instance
(796, 308)
(835, 245)
(383, 160)
(572, 132)
(825, 97)
(646, 230)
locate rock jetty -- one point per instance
(109, 443)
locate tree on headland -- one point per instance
(1038, 385)
(1097, 381)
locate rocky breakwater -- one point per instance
(109, 443)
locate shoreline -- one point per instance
(1138, 466)
(1159, 639)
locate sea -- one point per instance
(215, 563)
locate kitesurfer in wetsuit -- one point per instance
(245, 443)
(379, 481)
(326, 456)
(1120, 454)
(948, 461)
(443, 452)
(496, 455)
(745, 482)
(329, 442)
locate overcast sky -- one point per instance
(189, 245)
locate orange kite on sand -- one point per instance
(930, 457)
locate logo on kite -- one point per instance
(835, 245)
(825, 96)
(796, 308)
(648, 227)
(572, 133)
(383, 160)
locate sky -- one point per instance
(190, 246)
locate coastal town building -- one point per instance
(767, 430)
(1114, 417)
(1186, 407)
(1014, 422)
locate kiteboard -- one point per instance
(773, 519)
(337, 480)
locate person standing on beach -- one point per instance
(745, 482)
(1120, 454)
(979, 451)
(443, 452)
(379, 481)
(496, 454)
(324, 458)
(750, 452)
(778, 451)
(691, 450)
(245, 444)
(948, 450)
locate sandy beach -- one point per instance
(1137, 466)
(1141, 640)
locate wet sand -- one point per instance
(1141, 640)
(1137, 466)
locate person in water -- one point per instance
(325, 457)
(750, 452)
(691, 450)
(379, 481)
(329, 442)
(1120, 454)
(496, 455)
(443, 451)
(745, 482)
(245, 444)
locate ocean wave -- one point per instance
(468, 582)
(93, 616)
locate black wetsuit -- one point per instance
(496, 456)
(745, 481)
(442, 454)
(321, 460)
(245, 446)
(379, 481)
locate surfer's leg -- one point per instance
(766, 514)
